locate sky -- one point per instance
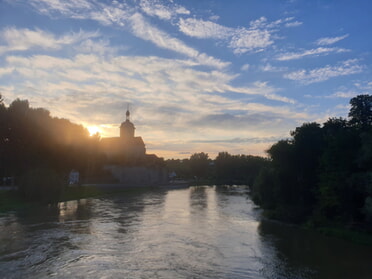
(197, 75)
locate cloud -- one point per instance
(158, 9)
(269, 139)
(229, 122)
(129, 17)
(24, 39)
(269, 68)
(311, 52)
(343, 94)
(245, 67)
(293, 24)
(142, 29)
(247, 40)
(254, 38)
(358, 88)
(146, 80)
(330, 40)
(204, 29)
(344, 68)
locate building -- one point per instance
(127, 147)
(127, 160)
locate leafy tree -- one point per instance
(308, 147)
(335, 169)
(199, 164)
(31, 141)
(224, 165)
(361, 111)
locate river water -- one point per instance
(198, 232)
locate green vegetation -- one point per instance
(322, 176)
(225, 169)
(31, 140)
(10, 200)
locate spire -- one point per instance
(127, 113)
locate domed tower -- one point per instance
(127, 128)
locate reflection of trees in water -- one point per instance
(42, 234)
(76, 215)
(224, 193)
(298, 253)
(198, 198)
(128, 207)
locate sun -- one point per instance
(93, 130)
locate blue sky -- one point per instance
(198, 75)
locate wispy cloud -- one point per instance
(141, 28)
(129, 17)
(245, 67)
(344, 68)
(158, 9)
(270, 68)
(344, 94)
(293, 24)
(204, 29)
(357, 88)
(24, 39)
(330, 40)
(310, 52)
(254, 38)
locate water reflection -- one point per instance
(201, 232)
(307, 254)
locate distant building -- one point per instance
(127, 160)
(127, 146)
(73, 177)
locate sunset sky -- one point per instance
(198, 75)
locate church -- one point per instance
(127, 160)
(127, 147)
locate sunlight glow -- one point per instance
(93, 130)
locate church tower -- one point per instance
(127, 128)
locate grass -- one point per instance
(10, 200)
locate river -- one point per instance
(198, 232)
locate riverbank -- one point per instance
(10, 199)
(358, 237)
(355, 236)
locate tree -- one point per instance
(199, 164)
(361, 111)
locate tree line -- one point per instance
(224, 169)
(39, 150)
(323, 173)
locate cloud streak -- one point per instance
(344, 68)
(330, 40)
(312, 52)
(24, 39)
(255, 38)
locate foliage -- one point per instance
(224, 169)
(31, 140)
(361, 111)
(323, 174)
(199, 163)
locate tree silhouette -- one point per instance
(361, 111)
(199, 163)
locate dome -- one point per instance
(127, 123)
